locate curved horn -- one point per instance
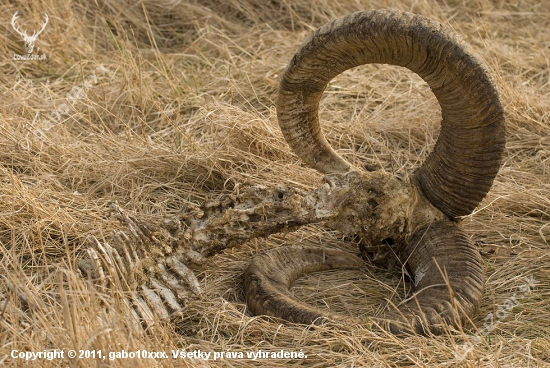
(448, 280)
(460, 171)
(445, 266)
(269, 275)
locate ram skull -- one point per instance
(421, 215)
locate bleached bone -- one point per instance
(160, 256)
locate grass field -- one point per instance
(157, 104)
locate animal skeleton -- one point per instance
(421, 214)
(29, 40)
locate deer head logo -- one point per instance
(29, 40)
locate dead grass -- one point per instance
(180, 107)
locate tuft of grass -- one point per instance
(156, 104)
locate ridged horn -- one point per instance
(269, 275)
(448, 280)
(460, 171)
(445, 266)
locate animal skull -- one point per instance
(421, 214)
(29, 40)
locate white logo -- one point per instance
(29, 40)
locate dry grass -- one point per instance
(183, 109)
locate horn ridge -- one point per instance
(270, 274)
(446, 270)
(470, 104)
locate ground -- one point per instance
(155, 105)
